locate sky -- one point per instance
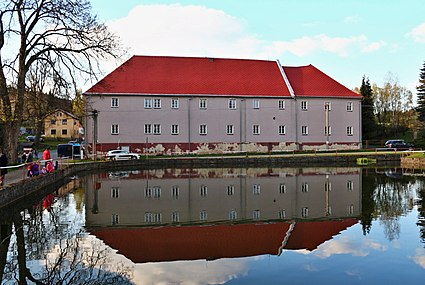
(346, 39)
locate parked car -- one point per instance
(118, 154)
(32, 139)
(69, 150)
(398, 144)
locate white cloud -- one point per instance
(200, 31)
(346, 246)
(419, 258)
(418, 33)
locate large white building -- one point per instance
(187, 104)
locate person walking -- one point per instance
(46, 153)
(3, 163)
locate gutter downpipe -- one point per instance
(291, 91)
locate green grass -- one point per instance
(417, 155)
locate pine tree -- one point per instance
(421, 95)
(368, 117)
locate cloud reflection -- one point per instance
(345, 245)
(191, 272)
(419, 258)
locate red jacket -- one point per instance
(46, 154)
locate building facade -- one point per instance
(61, 124)
(178, 104)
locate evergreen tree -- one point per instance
(421, 95)
(368, 117)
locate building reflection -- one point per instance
(189, 214)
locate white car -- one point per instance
(119, 154)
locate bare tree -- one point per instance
(62, 34)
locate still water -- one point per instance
(222, 226)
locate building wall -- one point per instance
(131, 116)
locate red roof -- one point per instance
(310, 81)
(193, 76)
(217, 241)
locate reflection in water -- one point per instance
(220, 213)
(209, 226)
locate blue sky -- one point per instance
(345, 39)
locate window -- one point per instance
(157, 103)
(148, 129)
(256, 189)
(175, 192)
(174, 129)
(232, 104)
(115, 219)
(230, 130)
(175, 217)
(328, 106)
(230, 190)
(256, 214)
(175, 103)
(53, 132)
(256, 104)
(64, 132)
(350, 209)
(304, 130)
(282, 188)
(281, 104)
(156, 129)
(304, 187)
(148, 103)
(282, 130)
(350, 185)
(328, 130)
(64, 122)
(282, 214)
(114, 102)
(255, 129)
(153, 192)
(203, 215)
(328, 186)
(153, 217)
(114, 129)
(202, 103)
(304, 105)
(349, 106)
(233, 215)
(202, 129)
(349, 131)
(304, 212)
(53, 122)
(203, 191)
(115, 192)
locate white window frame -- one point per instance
(175, 217)
(230, 129)
(157, 103)
(203, 103)
(329, 128)
(350, 106)
(175, 104)
(156, 129)
(232, 104)
(114, 102)
(282, 104)
(203, 215)
(304, 130)
(175, 192)
(203, 129)
(282, 188)
(256, 189)
(350, 185)
(115, 129)
(304, 105)
(255, 129)
(328, 106)
(304, 212)
(233, 215)
(256, 103)
(282, 214)
(256, 215)
(148, 103)
(148, 129)
(230, 190)
(115, 219)
(304, 187)
(203, 190)
(282, 130)
(115, 192)
(175, 129)
(350, 131)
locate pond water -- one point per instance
(222, 226)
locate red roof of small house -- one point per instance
(193, 76)
(310, 81)
(217, 241)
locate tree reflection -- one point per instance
(46, 250)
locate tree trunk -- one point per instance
(10, 135)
